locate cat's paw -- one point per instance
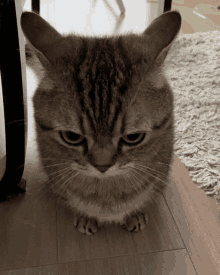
(136, 222)
(86, 225)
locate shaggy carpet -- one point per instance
(193, 68)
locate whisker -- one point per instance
(143, 161)
(140, 193)
(45, 183)
(165, 175)
(40, 168)
(55, 195)
(69, 182)
(56, 172)
(163, 163)
(131, 171)
(58, 164)
(64, 183)
(61, 186)
(146, 167)
(67, 204)
(149, 161)
(150, 175)
(126, 177)
(36, 194)
(131, 182)
(148, 182)
(54, 159)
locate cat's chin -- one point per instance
(113, 212)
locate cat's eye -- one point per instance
(71, 137)
(134, 139)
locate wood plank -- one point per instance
(28, 226)
(90, 17)
(197, 217)
(41, 270)
(166, 263)
(159, 234)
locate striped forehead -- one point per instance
(102, 84)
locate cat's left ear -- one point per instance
(160, 35)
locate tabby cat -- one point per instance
(104, 119)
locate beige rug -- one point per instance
(193, 67)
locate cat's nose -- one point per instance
(102, 168)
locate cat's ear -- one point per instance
(160, 35)
(39, 33)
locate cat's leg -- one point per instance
(135, 222)
(85, 225)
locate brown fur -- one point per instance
(104, 89)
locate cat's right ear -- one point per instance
(39, 33)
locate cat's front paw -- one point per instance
(86, 225)
(136, 222)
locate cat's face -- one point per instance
(104, 114)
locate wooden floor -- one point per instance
(183, 233)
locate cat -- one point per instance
(104, 119)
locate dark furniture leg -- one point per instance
(14, 110)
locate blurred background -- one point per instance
(100, 16)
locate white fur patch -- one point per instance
(116, 214)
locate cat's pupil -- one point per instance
(133, 137)
(72, 136)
